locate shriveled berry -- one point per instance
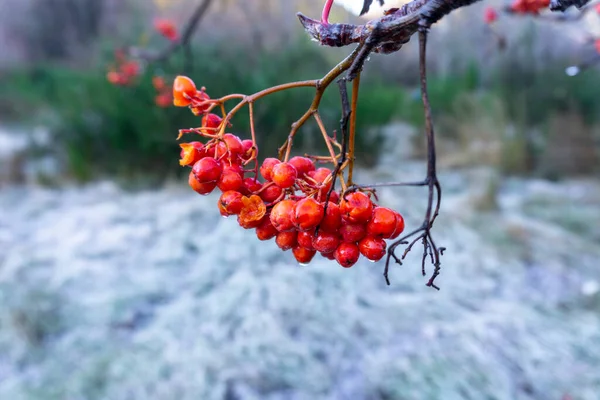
(266, 230)
(303, 255)
(305, 239)
(190, 153)
(399, 226)
(183, 90)
(252, 212)
(373, 248)
(266, 169)
(284, 175)
(286, 240)
(356, 207)
(207, 170)
(230, 179)
(199, 187)
(282, 216)
(333, 218)
(270, 193)
(308, 213)
(326, 242)
(230, 203)
(347, 254)
(303, 165)
(352, 233)
(382, 223)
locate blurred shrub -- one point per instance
(105, 129)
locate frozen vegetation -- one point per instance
(107, 294)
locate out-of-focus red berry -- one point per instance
(346, 254)
(490, 15)
(166, 28)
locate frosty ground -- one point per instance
(108, 294)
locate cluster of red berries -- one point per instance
(293, 203)
(166, 28)
(164, 96)
(529, 6)
(124, 71)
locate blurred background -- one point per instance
(117, 281)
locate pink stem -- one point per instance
(326, 11)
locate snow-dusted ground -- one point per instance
(106, 294)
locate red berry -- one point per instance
(207, 170)
(230, 203)
(286, 240)
(282, 215)
(230, 179)
(270, 193)
(233, 144)
(183, 90)
(308, 213)
(347, 254)
(326, 242)
(329, 256)
(332, 220)
(399, 226)
(247, 149)
(305, 239)
(356, 207)
(211, 121)
(266, 169)
(372, 248)
(250, 185)
(382, 223)
(490, 15)
(303, 255)
(303, 165)
(284, 175)
(352, 233)
(202, 188)
(266, 230)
